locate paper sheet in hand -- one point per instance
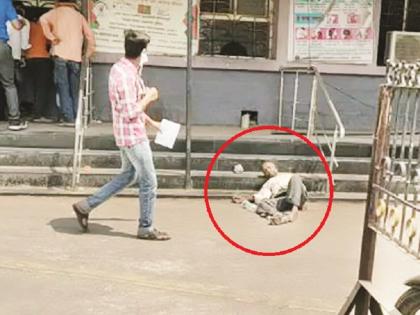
(168, 132)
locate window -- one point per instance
(392, 19)
(236, 27)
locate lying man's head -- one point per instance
(269, 169)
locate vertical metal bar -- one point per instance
(333, 148)
(404, 25)
(375, 307)
(405, 126)
(380, 149)
(409, 164)
(396, 101)
(314, 108)
(86, 96)
(418, 250)
(80, 123)
(281, 96)
(270, 41)
(402, 157)
(394, 139)
(188, 183)
(77, 142)
(295, 100)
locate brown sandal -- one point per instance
(82, 218)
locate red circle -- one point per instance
(330, 183)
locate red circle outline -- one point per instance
(330, 183)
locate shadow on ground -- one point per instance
(70, 226)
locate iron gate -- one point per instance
(393, 205)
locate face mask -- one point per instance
(143, 58)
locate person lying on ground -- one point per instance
(279, 199)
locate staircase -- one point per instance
(40, 160)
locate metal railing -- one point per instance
(313, 125)
(395, 194)
(82, 120)
(393, 205)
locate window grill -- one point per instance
(236, 27)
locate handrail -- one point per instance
(315, 71)
(338, 121)
(85, 93)
(313, 123)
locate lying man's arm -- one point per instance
(242, 198)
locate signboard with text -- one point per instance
(336, 31)
(164, 20)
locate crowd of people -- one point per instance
(41, 51)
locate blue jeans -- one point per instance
(137, 165)
(67, 82)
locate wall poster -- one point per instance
(336, 31)
(164, 20)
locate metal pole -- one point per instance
(188, 184)
(280, 122)
(313, 109)
(406, 3)
(295, 100)
(380, 149)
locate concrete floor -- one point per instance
(48, 267)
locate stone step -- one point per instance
(270, 145)
(174, 160)
(173, 179)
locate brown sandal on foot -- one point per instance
(82, 218)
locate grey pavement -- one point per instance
(48, 267)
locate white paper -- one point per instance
(168, 133)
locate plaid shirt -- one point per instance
(126, 88)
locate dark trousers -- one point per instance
(67, 82)
(7, 80)
(39, 77)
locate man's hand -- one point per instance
(242, 198)
(18, 24)
(56, 41)
(238, 199)
(155, 124)
(152, 94)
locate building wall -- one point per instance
(219, 96)
(224, 86)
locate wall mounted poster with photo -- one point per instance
(164, 20)
(335, 31)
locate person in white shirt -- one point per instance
(18, 40)
(279, 199)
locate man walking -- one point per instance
(7, 66)
(129, 99)
(65, 27)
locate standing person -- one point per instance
(66, 28)
(39, 72)
(19, 42)
(129, 99)
(7, 68)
